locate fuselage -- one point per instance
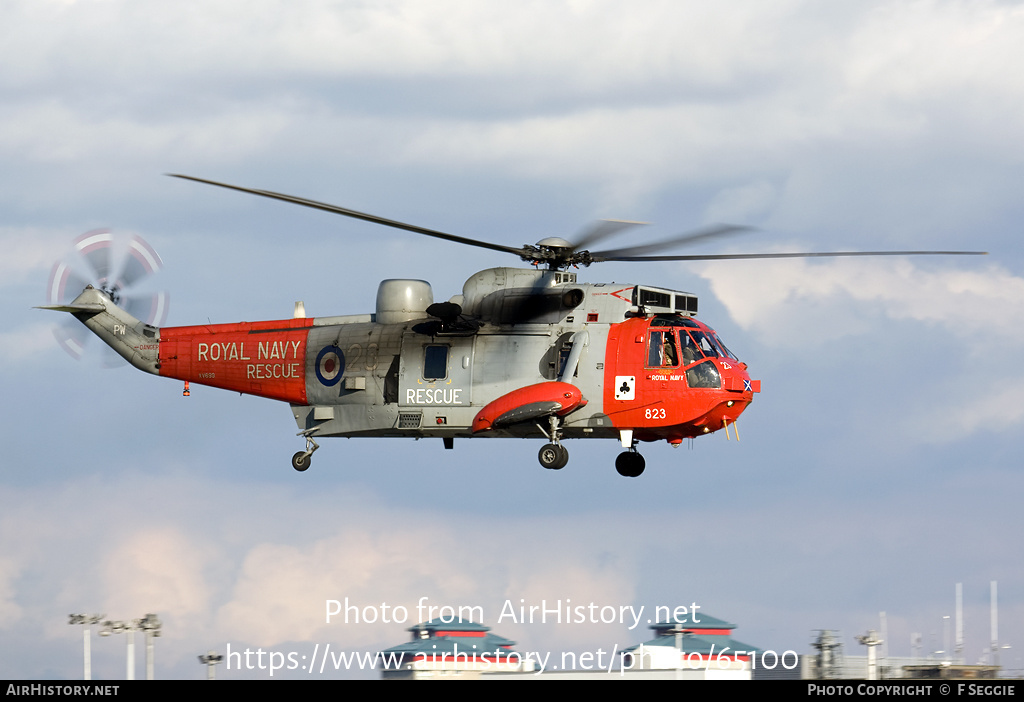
(638, 356)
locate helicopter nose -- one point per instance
(737, 393)
(735, 378)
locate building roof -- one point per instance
(700, 633)
(694, 621)
(448, 624)
(452, 636)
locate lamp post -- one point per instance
(870, 640)
(210, 660)
(86, 620)
(150, 624)
(118, 627)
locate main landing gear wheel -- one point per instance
(301, 461)
(630, 464)
(553, 456)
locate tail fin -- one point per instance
(135, 341)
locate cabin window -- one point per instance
(435, 362)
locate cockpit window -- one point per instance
(689, 350)
(722, 348)
(707, 347)
(704, 375)
(694, 342)
(662, 351)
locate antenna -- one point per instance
(959, 622)
(945, 639)
(994, 624)
(884, 629)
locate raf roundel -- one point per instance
(330, 365)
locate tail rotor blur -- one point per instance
(122, 268)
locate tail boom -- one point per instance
(267, 359)
(135, 341)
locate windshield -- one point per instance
(709, 344)
(688, 343)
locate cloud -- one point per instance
(211, 571)
(991, 405)
(805, 303)
(10, 610)
(30, 252)
(407, 573)
(27, 343)
(944, 393)
(157, 569)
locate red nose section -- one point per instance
(531, 402)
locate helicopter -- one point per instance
(521, 352)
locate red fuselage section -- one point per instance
(259, 358)
(670, 377)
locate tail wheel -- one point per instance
(553, 456)
(301, 461)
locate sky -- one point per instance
(879, 467)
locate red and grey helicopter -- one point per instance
(521, 352)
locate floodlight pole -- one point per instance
(994, 623)
(871, 640)
(150, 624)
(130, 675)
(86, 620)
(210, 660)
(118, 627)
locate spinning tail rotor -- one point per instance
(120, 269)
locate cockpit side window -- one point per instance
(689, 351)
(662, 351)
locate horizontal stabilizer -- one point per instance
(84, 307)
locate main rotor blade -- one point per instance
(602, 229)
(326, 207)
(714, 231)
(823, 254)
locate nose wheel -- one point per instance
(630, 464)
